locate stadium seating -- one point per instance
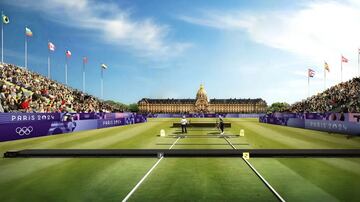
(343, 97)
(25, 91)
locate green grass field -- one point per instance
(182, 179)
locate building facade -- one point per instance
(202, 105)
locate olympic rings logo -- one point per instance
(24, 130)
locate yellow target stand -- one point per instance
(242, 133)
(162, 133)
(246, 155)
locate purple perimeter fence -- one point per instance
(14, 126)
(345, 123)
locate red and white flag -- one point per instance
(68, 53)
(326, 66)
(343, 59)
(51, 46)
(311, 73)
(85, 60)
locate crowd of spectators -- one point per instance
(24, 91)
(343, 97)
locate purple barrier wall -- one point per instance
(344, 127)
(86, 125)
(13, 131)
(105, 123)
(25, 117)
(6, 118)
(346, 123)
(205, 115)
(21, 129)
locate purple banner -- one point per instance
(354, 117)
(334, 126)
(105, 123)
(85, 125)
(30, 129)
(140, 118)
(24, 130)
(346, 123)
(6, 118)
(204, 115)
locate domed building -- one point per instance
(202, 105)
(201, 102)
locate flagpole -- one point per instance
(308, 85)
(49, 66)
(2, 40)
(359, 62)
(66, 79)
(25, 51)
(102, 83)
(324, 78)
(83, 75)
(341, 69)
(49, 61)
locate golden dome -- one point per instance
(202, 94)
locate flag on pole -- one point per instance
(51, 46)
(326, 66)
(28, 32)
(85, 60)
(68, 53)
(343, 59)
(104, 66)
(311, 73)
(5, 19)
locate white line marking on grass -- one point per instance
(147, 174)
(142, 179)
(174, 143)
(258, 174)
(263, 179)
(230, 143)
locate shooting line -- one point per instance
(246, 156)
(147, 174)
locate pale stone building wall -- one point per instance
(202, 105)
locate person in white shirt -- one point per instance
(183, 122)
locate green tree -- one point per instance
(133, 107)
(278, 107)
(118, 105)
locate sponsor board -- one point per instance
(6, 118)
(344, 127)
(345, 123)
(30, 129)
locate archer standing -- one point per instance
(221, 124)
(184, 122)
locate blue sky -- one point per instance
(165, 49)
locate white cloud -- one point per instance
(112, 24)
(318, 31)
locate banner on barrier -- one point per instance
(105, 123)
(161, 115)
(345, 127)
(14, 131)
(6, 118)
(346, 123)
(36, 128)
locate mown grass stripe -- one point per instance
(146, 175)
(259, 175)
